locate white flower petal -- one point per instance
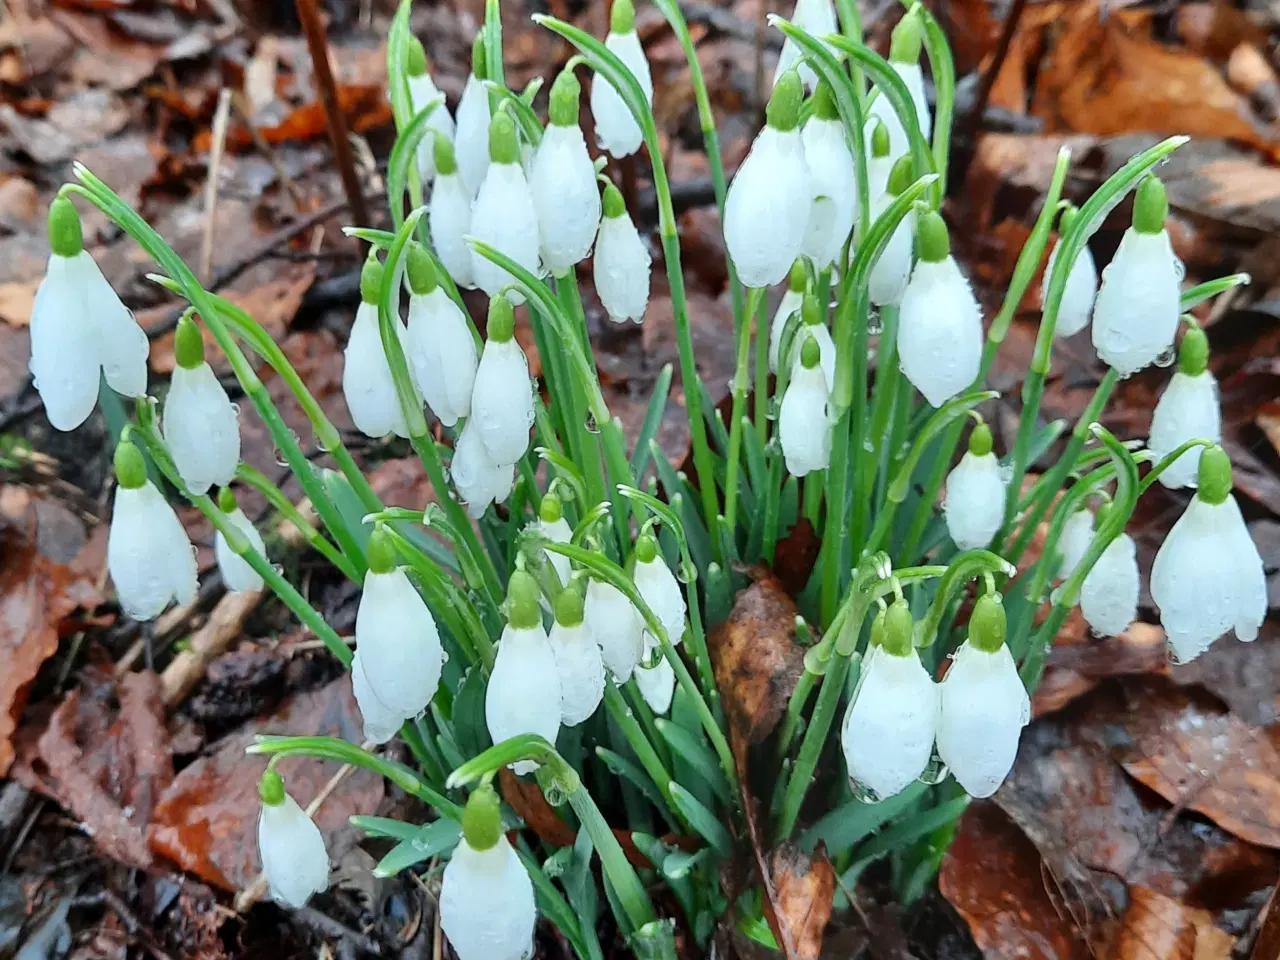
(565, 197)
(381, 722)
(471, 138)
(479, 480)
(202, 429)
(1077, 535)
(621, 269)
(818, 18)
(236, 572)
(1187, 410)
(804, 424)
(983, 707)
(558, 531)
(834, 192)
(504, 217)
(1109, 596)
(450, 216)
(293, 855)
(524, 690)
(422, 90)
(939, 331)
(617, 627)
(443, 355)
(616, 130)
(65, 357)
(889, 727)
(882, 109)
(661, 591)
(827, 346)
(366, 379)
(889, 276)
(1135, 317)
(657, 683)
(581, 671)
(1077, 296)
(502, 401)
(399, 643)
(487, 907)
(974, 506)
(767, 209)
(790, 304)
(148, 554)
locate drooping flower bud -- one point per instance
(524, 689)
(1077, 535)
(835, 200)
(817, 18)
(1081, 288)
(149, 557)
(422, 90)
(621, 263)
(1135, 317)
(292, 850)
(236, 572)
(80, 329)
(888, 280)
(397, 642)
(767, 208)
(553, 526)
(367, 384)
(940, 324)
(1109, 595)
(1208, 577)
(578, 659)
(879, 163)
(503, 215)
(983, 705)
(471, 141)
(502, 401)
(616, 130)
(804, 421)
(814, 328)
(479, 479)
(790, 304)
(563, 181)
(976, 489)
(487, 908)
(661, 592)
(450, 216)
(1187, 410)
(904, 57)
(199, 422)
(617, 627)
(888, 730)
(438, 343)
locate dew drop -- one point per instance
(1005, 473)
(935, 771)
(863, 793)
(1056, 594)
(774, 407)
(279, 456)
(875, 325)
(591, 425)
(1166, 356)
(868, 446)
(555, 794)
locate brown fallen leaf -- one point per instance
(16, 300)
(1079, 661)
(525, 797)
(1268, 419)
(1157, 927)
(800, 899)
(365, 107)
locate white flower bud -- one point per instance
(487, 908)
(889, 727)
(471, 140)
(201, 427)
(479, 479)
(939, 331)
(581, 671)
(621, 264)
(767, 209)
(882, 109)
(616, 130)
(1136, 314)
(790, 304)
(1077, 535)
(236, 572)
(661, 592)
(889, 275)
(975, 502)
(150, 559)
(1077, 296)
(557, 531)
(817, 18)
(502, 400)
(831, 179)
(367, 385)
(442, 354)
(1109, 595)
(449, 213)
(524, 689)
(804, 421)
(504, 217)
(294, 859)
(422, 90)
(617, 627)
(1187, 410)
(657, 683)
(983, 707)
(565, 197)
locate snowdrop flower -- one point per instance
(982, 705)
(80, 330)
(889, 275)
(148, 554)
(502, 401)
(617, 627)
(1135, 317)
(422, 91)
(563, 181)
(503, 215)
(1081, 288)
(1208, 576)
(621, 264)
(552, 525)
(812, 327)
(661, 593)
(816, 17)
(578, 659)
(804, 421)
(831, 179)
(479, 479)
(788, 306)
(367, 384)
(438, 343)
(1109, 595)
(976, 490)
(904, 57)
(879, 163)
(524, 689)
(397, 641)
(487, 907)
(767, 210)
(449, 213)
(888, 730)
(940, 324)
(236, 572)
(471, 140)
(616, 129)
(199, 422)
(292, 850)
(1187, 410)
(657, 684)
(1077, 535)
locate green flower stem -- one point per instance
(1167, 461)
(600, 59)
(741, 380)
(876, 437)
(401, 111)
(762, 373)
(772, 492)
(963, 568)
(641, 745)
(895, 450)
(402, 165)
(315, 539)
(588, 442)
(943, 70)
(1207, 291)
(559, 399)
(102, 196)
(340, 751)
(493, 65)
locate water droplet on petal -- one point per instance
(1166, 356)
(591, 425)
(863, 793)
(1006, 473)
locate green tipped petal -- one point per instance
(569, 607)
(504, 147)
(824, 104)
(899, 629)
(271, 788)
(783, 112)
(933, 243)
(371, 280)
(880, 141)
(446, 162)
(416, 58)
(65, 237)
(1151, 206)
(131, 469)
(565, 94)
(622, 18)
(1193, 352)
(810, 353)
(482, 818)
(613, 205)
(901, 176)
(980, 441)
(420, 270)
(522, 601)
(188, 344)
(988, 624)
(502, 320)
(646, 549)
(1215, 475)
(798, 278)
(382, 551)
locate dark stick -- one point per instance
(318, 47)
(997, 61)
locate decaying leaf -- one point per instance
(1079, 661)
(1157, 927)
(525, 797)
(799, 894)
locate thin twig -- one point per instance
(318, 46)
(221, 116)
(997, 61)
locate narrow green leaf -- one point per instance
(702, 820)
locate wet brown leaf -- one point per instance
(30, 48)
(1217, 28)
(364, 106)
(800, 897)
(1079, 661)
(994, 878)
(525, 797)
(1157, 927)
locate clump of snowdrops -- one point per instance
(550, 614)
